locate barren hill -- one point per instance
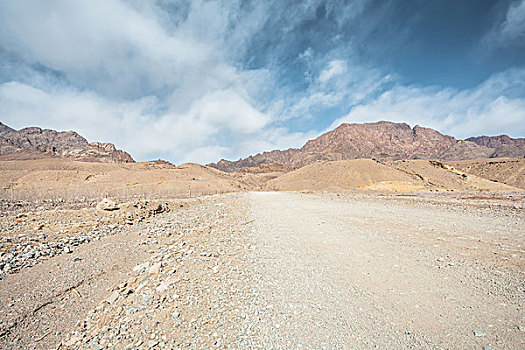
(505, 170)
(399, 175)
(353, 141)
(464, 150)
(36, 143)
(4, 129)
(344, 175)
(43, 178)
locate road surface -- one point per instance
(363, 273)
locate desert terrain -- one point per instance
(409, 241)
(272, 270)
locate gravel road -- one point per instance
(381, 273)
(285, 270)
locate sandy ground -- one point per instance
(286, 270)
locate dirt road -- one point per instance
(363, 273)
(287, 270)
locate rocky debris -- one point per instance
(34, 143)
(107, 204)
(27, 250)
(189, 294)
(28, 238)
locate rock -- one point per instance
(164, 286)
(72, 341)
(67, 250)
(479, 333)
(351, 141)
(155, 269)
(107, 204)
(141, 268)
(152, 343)
(112, 298)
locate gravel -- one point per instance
(287, 270)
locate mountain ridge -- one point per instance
(34, 142)
(381, 140)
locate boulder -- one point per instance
(107, 204)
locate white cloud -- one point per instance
(134, 126)
(159, 85)
(151, 88)
(106, 45)
(514, 25)
(335, 67)
(484, 109)
(512, 30)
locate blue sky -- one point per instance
(204, 80)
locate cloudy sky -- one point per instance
(204, 80)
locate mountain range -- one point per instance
(34, 143)
(380, 140)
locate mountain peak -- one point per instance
(379, 140)
(34, 142)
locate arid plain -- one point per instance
(371, 236)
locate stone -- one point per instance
(479, 333)
(112, 298)
(72, 341)
(107, 204)
(155, 268)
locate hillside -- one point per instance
(363, 174)
(503, 145)
(52, 178)
(36, 143)
(381, 140)
(505, 170)
(353, 141)
(344, 175)
(464, 150)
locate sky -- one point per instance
(204, 80)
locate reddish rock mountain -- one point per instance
(503, 145)
(4, 129)
(381, 140)
(353, 141)
(463, 150)
(33, 142)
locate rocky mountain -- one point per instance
(462, 150)
(503, 145)
(380, 140)
(4, 129)
(33, 142)
(353, 141)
